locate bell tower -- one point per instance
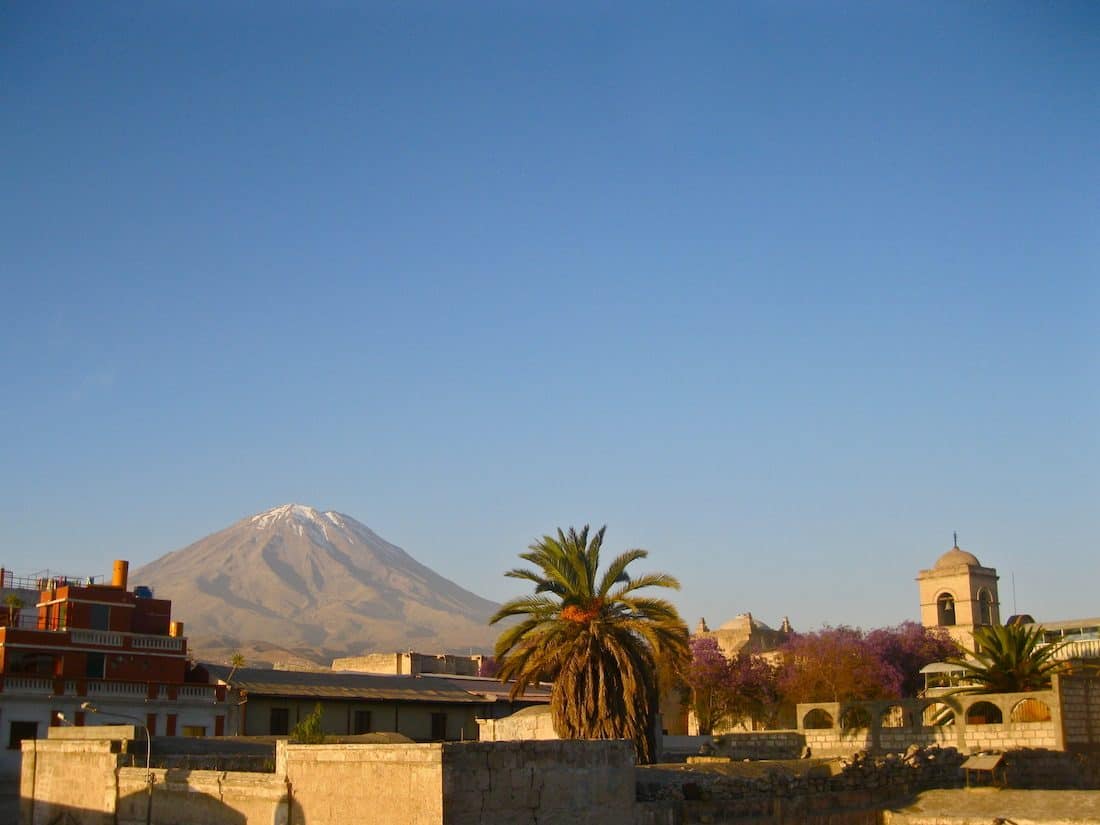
(958, 594)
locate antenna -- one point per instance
(1014, 610)
(956, 535)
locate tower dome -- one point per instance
(956, 557)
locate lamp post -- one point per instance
(90, 708)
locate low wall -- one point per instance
(762, 744)
(90, 782)
(806, 792)
(528, 724)
(570, 782)
(382, 784)
(969, 722)
(1038, 768)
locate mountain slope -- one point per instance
(313, 585)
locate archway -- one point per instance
(984, 713)
(855, 717)
(817, 719)
(945, 609)
(937, 715)
(894, 717)
(1030, 710)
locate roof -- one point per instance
(941, 667)
(351, 686)
(956, 557)
(496, 691)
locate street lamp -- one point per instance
(90, 708)
(61, 718)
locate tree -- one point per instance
(236, 662)
(754, 690)
(707, 676)
(14, 604)
(607, 649)
(908, 647)
(308, 731)
(832, 665)
(1008, 659)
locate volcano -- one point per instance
(297, 586)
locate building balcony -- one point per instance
(18, 685)
(32, 629)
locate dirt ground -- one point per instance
(993, 806)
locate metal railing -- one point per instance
(42, 580)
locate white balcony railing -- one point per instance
(204, 692)
(28, 684)
(118, 689)
(103, 638)
(157, 642)
(1079, 649)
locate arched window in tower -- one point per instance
(985, 607)
(945, 609)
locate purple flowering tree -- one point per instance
(835, 664)
(908, 647)
(708, 678)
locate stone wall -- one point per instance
(61, 777)
(1039, 768)
(810, 792)
(382, 784)
(538, 783)
(763, 744)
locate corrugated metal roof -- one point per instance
(496, 690)
(326, 685)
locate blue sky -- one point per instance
(785, 292)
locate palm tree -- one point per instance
(1008, 659)
(607, 649)
(14, 604)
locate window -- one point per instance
(21, 731)
(194, 730)
(439, 726)
(30, 663)
(95, 666)
(945, 609)
(361, 722)
(99, 617)
(280, 722)
(985, 607)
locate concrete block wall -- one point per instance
(1080, 711)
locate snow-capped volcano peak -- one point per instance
(301, 513)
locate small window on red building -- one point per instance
(95, 666)
(99, 617)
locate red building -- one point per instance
(104, 644)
